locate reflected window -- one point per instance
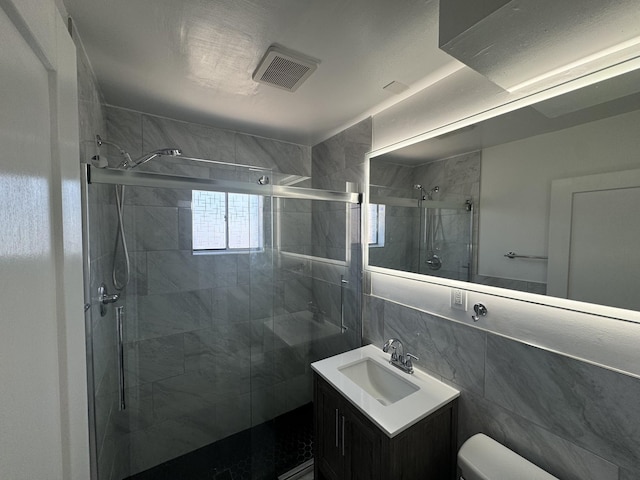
(224, 221)
(376, 225)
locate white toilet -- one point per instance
(482, 458)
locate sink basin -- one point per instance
(390, 398)
(386, 386)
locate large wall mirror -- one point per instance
(544, 199)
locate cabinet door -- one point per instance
(329, 431)
(363, 447)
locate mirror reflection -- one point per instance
(542, 199)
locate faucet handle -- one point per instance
(408, 363)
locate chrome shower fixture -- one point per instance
(128, 164)
(427, 195)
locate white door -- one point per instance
(594, 246)
(43, 403)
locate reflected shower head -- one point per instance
(167, 152)
(424, 193)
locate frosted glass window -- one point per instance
(226, 221)
(376, 225)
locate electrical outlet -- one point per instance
(459, 299)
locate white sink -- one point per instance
(392, 399)
(386, 386)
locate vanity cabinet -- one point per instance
(349, 446)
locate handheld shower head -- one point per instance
(167, 152)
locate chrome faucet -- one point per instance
(398, 358)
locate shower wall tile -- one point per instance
(178, 271)
(231, 304)
(151, 316)
(170, 439)
(280, 156)
(124, 128)
(233, 414)
(560, 457)
(297, 293)
(326, 296)
(138, 413)
(194, 140)
(154, 359)
(151, 228)
(594, 407)
(373, 321)
(159, 197)
(451, 350)
(183, 395)
(185, 235)
(629, 474)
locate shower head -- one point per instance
(167, 152)
(424, 193)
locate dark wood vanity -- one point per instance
(350, 446)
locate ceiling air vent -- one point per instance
(284, 69)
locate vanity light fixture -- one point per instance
(589, 59)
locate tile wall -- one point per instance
(215, 344)
(574, 419)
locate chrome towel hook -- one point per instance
(480, 310)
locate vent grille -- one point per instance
(284, 69)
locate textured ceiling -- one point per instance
(193, 59)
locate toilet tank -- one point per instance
(482, 458)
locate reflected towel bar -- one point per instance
(534, 257)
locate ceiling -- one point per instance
(193, 59)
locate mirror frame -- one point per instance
(546, 94)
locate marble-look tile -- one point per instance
(328, 157)
(373, 321)
(170, 439)
(151, 228)
(183, 395)
(185, 229)
(554, 454)
(176, 271)
(392, 175)
(194, 140)
(326, 297)
(155, 196)
(591, 406)
(630, 474)
(454, 351)
(233, 414)
(88, 89)
(124, 128)
(327, 272)
(166, 314)
(297, 293)
(231, 304)
(138, 413)
(154, 359)
(295, 231)
(280, 156)
(463, 169)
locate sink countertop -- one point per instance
(399, 416)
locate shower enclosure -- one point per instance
(423, 233)
(239, 278)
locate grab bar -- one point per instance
(119, 329)
(343, 284)
(534, 257)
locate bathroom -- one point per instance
(556, 385)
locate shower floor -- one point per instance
(260, 453)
